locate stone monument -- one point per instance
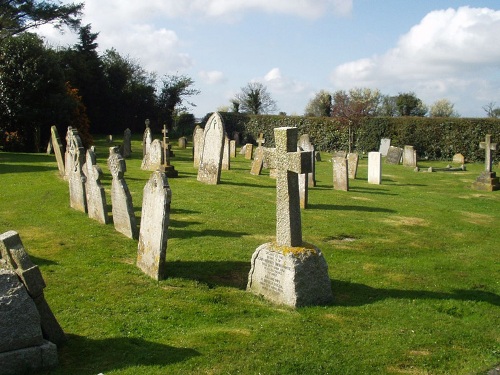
(248, 151)
(127, 143)
(488, 179)
(96, 197)
(258, 161)
(211, 156)
(76, 178)
(385, 143)
(374, 168)
(154, 158)
(147, 138)
(305, 145)
(58, 149)
(226, 157)
(289, 271)
(340, 174)
(352, 164)
(197, 145)
(409, 157)
(153, 233)
(394, 155)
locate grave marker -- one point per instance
(58, 149)
(394, 155)
(340, 173)
(127, 143)
(248, 151)
(488, 179)
(154, 158)
(197, 145)
(96, 197)
(409, 157)
(165, 165)
(226, 159)
(76, 178)
(232, 148)
(458, 158)
(385, 143)
(258, 161)
(146, 139)
(305, 145)
(352, 164)
(375, 168)
(211, 157)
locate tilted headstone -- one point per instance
(258, 160)
(127, 143)
(153, 233)
(409, 157)
(305, 145)
(154, 158)
(197, 145)
(352, 165)
(232, 148)
(226, 158)
(147, 138)
(488, 179)
(76, 178)
(248, 151)
(213, 145)
(289, 271)
(458, 158)
(374, 168)
(58, 149)
(121, 201)
(340, 174)
(394, 155)
(385, 143)
(96, 197)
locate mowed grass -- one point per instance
(414, 265)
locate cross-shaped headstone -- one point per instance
(166, 154)
(488, 147)
(288, 163)
(260, 140)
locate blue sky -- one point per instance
(437, 49)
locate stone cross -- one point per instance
(488, 147)
(166, 155)
(260, 140)
(288, 163)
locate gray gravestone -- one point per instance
(147, 138)
(374, 168)
(340, 175)
(182, 142)
(226, 158)
(458, 158)
(385, 143)
(154, 158)
(394, 155)
(305, 145)
(96, 197)
(303, 190)
(127, 143)
(197, 145)
(211, 156)
(258, 161)
(153, 233)
(409, 157)
(58, 149)
(121, 201)
(288, 271)
(248, 151)
(76, 178)
(68, 163)
(488, 179)
(232, 148)
(352, 165)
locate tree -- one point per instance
(388, 107)
(443, 108)
(255, 99)
(17, 16)
(409, 105)
(492, 110)
(172, 96)
(320, 105)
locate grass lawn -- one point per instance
(414, 265)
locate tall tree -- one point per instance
(320, 105)
(255, 99)
(443, 108)
(492, 110)
(409, 105)
(17, 16)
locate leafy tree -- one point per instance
(235, 106)
(409, 105)
(78, 116)
(388, 107)
(443, 108)
(172, 97)
(17, 16)
(492, 110)
(320, 105)
(255, 99)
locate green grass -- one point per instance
(414, 265)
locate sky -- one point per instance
(436, 49)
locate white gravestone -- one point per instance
(96, 197)
(153, 233)
(385, 143)
(352, 164)
(197, 145)
(374, 168)
(409, 156)
(154, 158)
(147, 138)
(211, 156)
(226, 155)
(340, 174)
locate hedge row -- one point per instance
(433, 138)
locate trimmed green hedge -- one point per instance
(433, 138)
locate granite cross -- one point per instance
(289, 164)
(260, 140)
(166, 154)
(488, 147)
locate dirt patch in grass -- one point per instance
(475, 218)
(406, 221)
(362, 199)
(405, 369)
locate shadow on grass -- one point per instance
(227, 182)
(24, 168)
(366, 190)
(212, 273)
(203, 233)
(336, 207)
(87, 356)
(41, 261)
(354, 294)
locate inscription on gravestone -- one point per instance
(211, 156)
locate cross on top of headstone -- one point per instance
(488, 147)
(166, 154)
(288, 163)
(260, 140)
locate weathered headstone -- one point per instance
(226, 158)
(339, 154)
(68, 162)
(488, 179)
(289, 271)
(153, 233)
(352, 165)
(458, 158)
(49, 147)
(182, 142)
(409, 157)
(166, 167)
(154, 158)
(96, 197)
(303, 190)
(340, 174)
(394, 155)
(305, 145)
(374, 168)
(121, 201)
(109, 138)
(76, 178)
(197, 145)
(248, 151)
(258, 160)
(236, 137)
(385, 143)
(127, 143)
(58, 149)
(232, 148)
(147, 138)
(213, 145)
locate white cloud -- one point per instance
(212, 77)
(279, 84)
(449, 52)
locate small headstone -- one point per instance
(339, 154)
(213, 145)
(68, 162)
(147, 138)
(394, 155)
(317, 156)
(153, 233)
(232, 148)
(96, 197)
(167, 153)
(197, 145)
(305, 145)
(288, 271)
(121, 201)
(340, 175)
(182, 142)
(458, 159)
(488, 179)
(257, 162)
(303, 190)
(226, 158)
(58, 149)
(374, 168)
(409, 157)
(243, 150)
(109, 138)
(385, 143)
(154, 158)
(352, 164)
(76, 178)
(49, 147)
(248, 151)
(127, 143)
(236, 138)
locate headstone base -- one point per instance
(29, 360)
(487, 181)
(169, 171)
(293, 276)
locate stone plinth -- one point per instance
(487, 181)
(293, 276)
